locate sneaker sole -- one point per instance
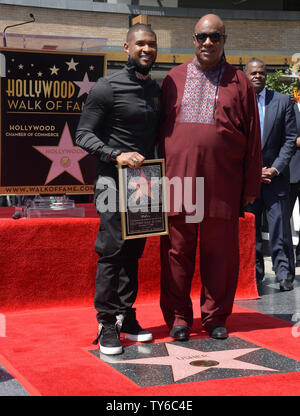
(111, 350)
(137, 338)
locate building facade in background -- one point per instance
(267, 29)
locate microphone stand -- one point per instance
(17, 24)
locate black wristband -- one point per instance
(114, 154)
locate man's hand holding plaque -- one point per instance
(142, 196)
(131, 159)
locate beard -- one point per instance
(142, 69)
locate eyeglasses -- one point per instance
(214, 37)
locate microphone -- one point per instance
(17, 24)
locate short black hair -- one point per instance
(252, 60)
(137, 27)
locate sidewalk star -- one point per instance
(186, 362)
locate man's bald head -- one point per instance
(210, 20)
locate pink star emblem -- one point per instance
(186, 362)
(85, 85)
(65, 157)
(143, 186)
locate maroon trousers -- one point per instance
(219, 268)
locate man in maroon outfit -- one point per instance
(210, 130)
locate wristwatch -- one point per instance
(114, 154)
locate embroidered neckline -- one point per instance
(210, 69)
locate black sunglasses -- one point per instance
(214, 37)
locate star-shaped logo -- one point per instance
(72, 65)
(85, 85)
(186, 362)
(65, 157)
(142, 185)
(54, 70)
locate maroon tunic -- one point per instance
(212, 132)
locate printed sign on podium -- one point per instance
(42, 97)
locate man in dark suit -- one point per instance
(295, 176)
(278, 134)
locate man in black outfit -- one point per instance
(119, 125)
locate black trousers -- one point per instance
(117, 268)
(280, 237)
(294, 194)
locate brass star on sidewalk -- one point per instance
(186, 362)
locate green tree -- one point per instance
(282, 81)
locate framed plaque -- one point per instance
(142, 200)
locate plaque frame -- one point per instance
(129, 218)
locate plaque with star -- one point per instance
(42, 95)
(142, 200)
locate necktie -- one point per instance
(261, 115)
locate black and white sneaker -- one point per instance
(109, 338)
(132, 330)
